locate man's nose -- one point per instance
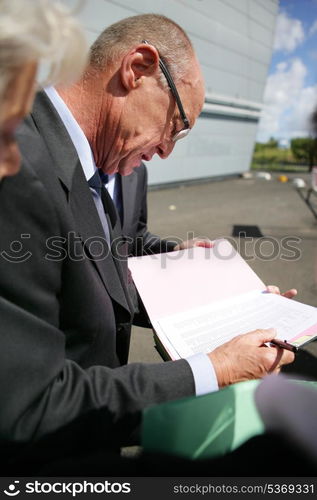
(165, 149)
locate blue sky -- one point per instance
(291, 89)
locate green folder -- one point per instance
(204, 426)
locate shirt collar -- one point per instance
(77, 136)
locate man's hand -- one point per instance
(246, 357)
(275, 289)
(195, 242)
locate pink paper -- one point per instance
(176, 281)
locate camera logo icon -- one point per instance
(13, 491)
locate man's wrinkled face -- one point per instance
(151, 118)
(16, 103)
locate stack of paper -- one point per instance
(200, 298)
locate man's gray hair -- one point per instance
(32, 30)
(165, 35)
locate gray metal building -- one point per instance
(233, 40)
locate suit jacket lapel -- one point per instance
(56, 138)
(71, 175)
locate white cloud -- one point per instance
(289, 33)
(281, 66)
(313, 28)
(298, 121)
(288, 103)
(283, 85)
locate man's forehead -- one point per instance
(193, 83)
(192, 93)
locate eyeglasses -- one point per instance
(185, 131)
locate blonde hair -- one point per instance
(169, 38)
(36, 30)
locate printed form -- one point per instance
(204, 328)
(200, 298)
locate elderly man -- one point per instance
(55, 262)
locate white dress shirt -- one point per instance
(203, 370)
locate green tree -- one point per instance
(270, 144)
(305, 149)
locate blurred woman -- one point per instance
(31, 33)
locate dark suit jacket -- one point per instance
(65, 311)
(134, 199)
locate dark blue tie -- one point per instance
(117, 192)
(117, 197)
(104, 177)
(99, 179)
(96, 187)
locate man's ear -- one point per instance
(140, 62)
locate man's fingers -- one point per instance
(204, 243)
(245, 357)
(263, 336)
(283, 357)
(195, 242)
(287, 357)
(290, 293)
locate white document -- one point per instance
(202, 329)
(200, 298)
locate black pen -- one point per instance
(284, 345)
